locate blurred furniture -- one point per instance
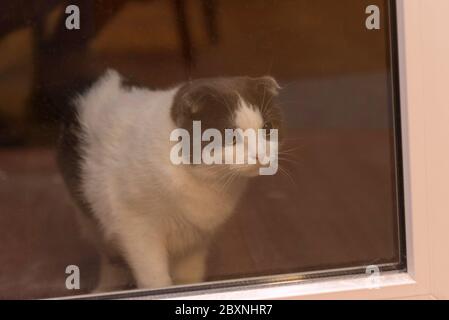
(60, 59)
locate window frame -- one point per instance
(414, 20)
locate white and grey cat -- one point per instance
(150, 219)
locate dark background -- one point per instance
(332, 206)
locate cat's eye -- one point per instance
(268, 126)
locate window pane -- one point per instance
(130, 178)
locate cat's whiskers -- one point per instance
(290, 101)
(288, 175)
(263, 98)
(288, 160)
(266, 105)
(229, 178)
(234, 176)
(291, 149)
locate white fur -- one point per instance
(248, 117)
(158, 214)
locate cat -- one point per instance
(152, 220)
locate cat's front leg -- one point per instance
(191, 268)
(146, 254)
(113, 276)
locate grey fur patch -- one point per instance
(214, 101)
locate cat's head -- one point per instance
(235, 108)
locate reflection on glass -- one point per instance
(111, 177)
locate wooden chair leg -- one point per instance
(210, 15)
(184, 32)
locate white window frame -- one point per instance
(424, 82)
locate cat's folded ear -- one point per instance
(192, 100)
(266, 85)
